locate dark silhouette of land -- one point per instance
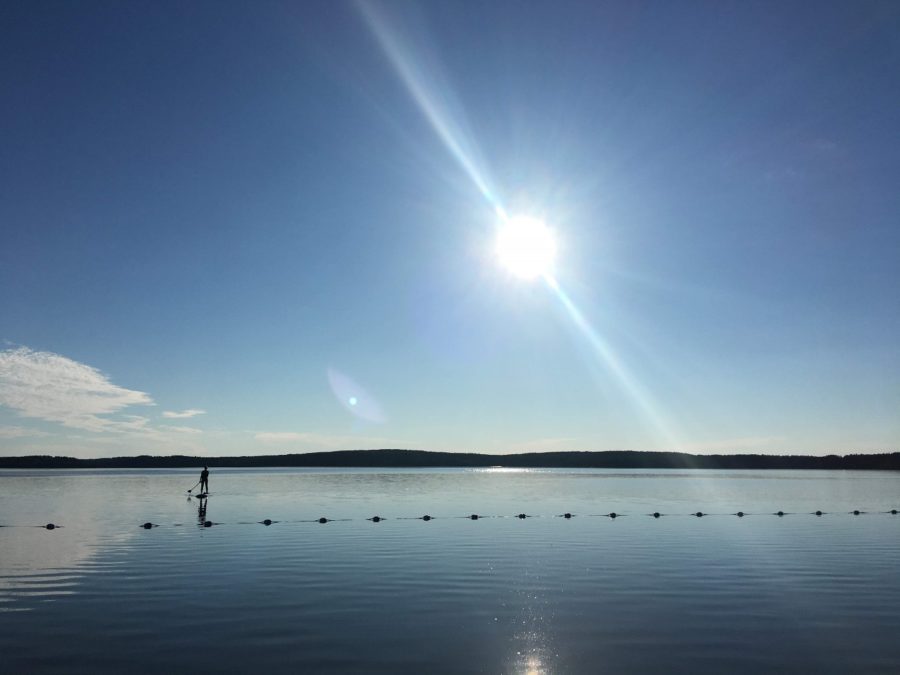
(615, 459)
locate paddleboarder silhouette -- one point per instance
(204, 480)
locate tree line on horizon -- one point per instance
(395, 458)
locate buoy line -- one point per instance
(612, 515)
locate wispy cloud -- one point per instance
(307, 441)
(184, 430)
(735, 445)
(20, 432)
(184, 414)
(281, 436)
(824, 145)
(554, 444)
(133, 423)
(51, 387)
(784, 174)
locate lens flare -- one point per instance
(354, 398)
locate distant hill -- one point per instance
(616, 459)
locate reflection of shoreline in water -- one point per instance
(42, 565)
(97, 513)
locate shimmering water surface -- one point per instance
(497, 595)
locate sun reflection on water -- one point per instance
(532, 661)
(504, 469)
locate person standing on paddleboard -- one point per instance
(204, 480)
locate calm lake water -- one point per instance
(498, 595)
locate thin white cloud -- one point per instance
(51, 387)
(824, 145)
(88, 445)
(184, 414)
(554, 444)
(20, 432)
(133, 423)
(184, 430)
(784, 174)
(314, 441)
(735, 445)
(280, 436)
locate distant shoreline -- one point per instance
(389, 458)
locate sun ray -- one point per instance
(433, 96)
(526, 257)
(640, 398)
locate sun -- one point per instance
(526, 247)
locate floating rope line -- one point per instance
(48, 526)
(426, 518)
(612, 515)
(522, 516)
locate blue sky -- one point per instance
(241, 228)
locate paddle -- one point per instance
(193, 486)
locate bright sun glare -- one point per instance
(526, 247)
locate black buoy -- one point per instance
(699, 514)
(740, 514)
(375, 519)
(613, 515)
(567, 515)
(474, 516)
(780, 513)
(323, 520)
(50, 526)
(207, 523)
(521, 515)
(818, 513)
(147, 526)
(267, 522)
(856, 513)
(656, 514)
